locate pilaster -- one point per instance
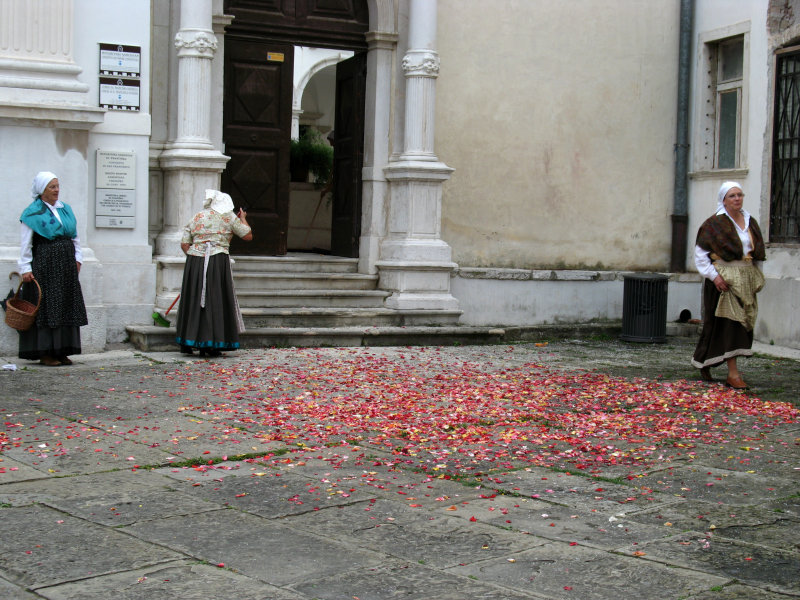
(415, 263)
(38, 76)
(190, 163)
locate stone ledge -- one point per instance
(508, 274)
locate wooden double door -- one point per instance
(257, 115)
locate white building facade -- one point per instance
(518, 159)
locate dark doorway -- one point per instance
(348, 155)
(257, 113)
(258, 108)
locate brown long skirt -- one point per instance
(721, 338)
(215, 326)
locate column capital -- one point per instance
(421, 63)
(198, 43)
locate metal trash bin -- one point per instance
(644, 308)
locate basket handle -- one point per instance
(19, 287)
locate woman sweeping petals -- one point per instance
(208, 317)
(728, 252)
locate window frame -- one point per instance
(707, 108)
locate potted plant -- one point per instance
(311, 155)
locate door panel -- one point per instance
(326, 23)
(348, 156)
(256, 124)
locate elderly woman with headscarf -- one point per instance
(209, 318)
(50, 252)
(727, 254)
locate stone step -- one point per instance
(255, 318)
(311, 298)
(255, 280)
(295, 262)
(162, 339)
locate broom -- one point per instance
(161, 320)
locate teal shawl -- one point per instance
(39, 218)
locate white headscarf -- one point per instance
(40, 183)
(219, 202)
(723, 190)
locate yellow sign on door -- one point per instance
(275, 56)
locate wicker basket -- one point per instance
(21, 314)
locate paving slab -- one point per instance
(277, 494)
(595, 528)
(407, 533)
(770, 568)
(739, 592)
(560, 571)
(13, 470)
(761, 524)
(181, 580)
(40, 546)
(10, 591)
(574, 490)
(254, 546)
(717, 485)
(406, 581)
(113, 499)
(93, 455)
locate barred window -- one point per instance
(784, 221)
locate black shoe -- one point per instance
(186, 350)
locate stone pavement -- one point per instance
(112, 486)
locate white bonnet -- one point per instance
(724, 189)
(217, 201)
(40, 182)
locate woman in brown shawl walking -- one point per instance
(727, 254)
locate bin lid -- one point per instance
(646, 276)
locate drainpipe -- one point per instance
(680, 215)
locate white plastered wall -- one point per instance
(559, 120)
(117, 275)
(779, 303)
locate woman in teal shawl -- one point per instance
(50, 253)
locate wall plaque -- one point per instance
(117, 93)
(115, 189)
(119, 60)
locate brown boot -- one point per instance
(49, 361)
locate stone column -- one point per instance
(415, 262)
(190, 162)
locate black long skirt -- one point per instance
(215, 326)
(721, 338)
(62, 311)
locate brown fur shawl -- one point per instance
(718, 235)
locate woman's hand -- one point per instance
(27, 277)
(720, 284)
(242, 216)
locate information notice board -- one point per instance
(115, 189)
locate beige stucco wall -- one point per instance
(559, 119)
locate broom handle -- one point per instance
(173, 304)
